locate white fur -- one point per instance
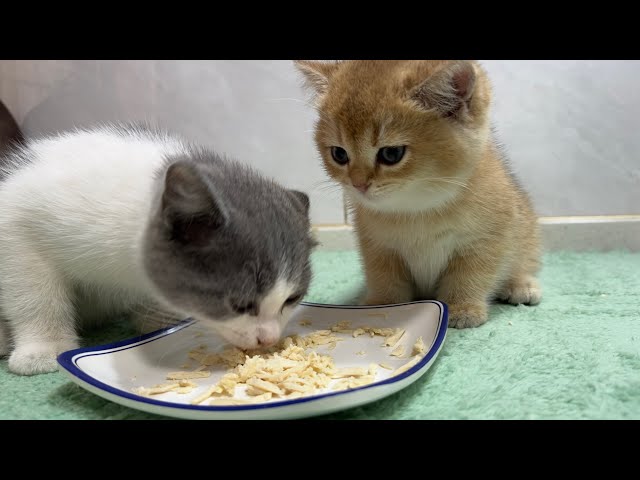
(74, 217)
(409, 197)
(426, 269)
(411, 240)
(250, 332)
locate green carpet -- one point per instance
(575, 356)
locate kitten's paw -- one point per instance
(36, 358)
(467, 315)
(526, 290)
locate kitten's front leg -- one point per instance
(466, 285)
(388, 278)
(38, 309)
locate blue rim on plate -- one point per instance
(68, 361)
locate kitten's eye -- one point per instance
(249, 308)
(339, 155)
(293, 299)
(390, 155)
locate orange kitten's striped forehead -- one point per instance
(366, 99)
(360, 88)
(380, 102)
(362, 85)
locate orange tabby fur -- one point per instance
(448, 221)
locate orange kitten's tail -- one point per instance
(10, 132)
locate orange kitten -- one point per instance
(436, 211)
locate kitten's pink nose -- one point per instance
(363, 187)
(268, 335)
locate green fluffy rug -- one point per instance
(575, 356)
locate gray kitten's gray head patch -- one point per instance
(229, 246)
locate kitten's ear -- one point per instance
(316, 74)
(189, 208)
(448, 91)
(302, 199)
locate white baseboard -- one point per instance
(597, 233)
(602, 233)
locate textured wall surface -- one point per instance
(570, 127)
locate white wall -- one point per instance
(571, 127)
(252, 110)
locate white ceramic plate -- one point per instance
(113, 371)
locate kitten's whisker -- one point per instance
(448, 180)
(326, 186)
(327, 189)
(295, 100)
(150, 316)
(325, 182)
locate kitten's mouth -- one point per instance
(250, 342)
(371, 194)
(248, 337)
(360, 192)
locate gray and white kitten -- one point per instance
(108, 220)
